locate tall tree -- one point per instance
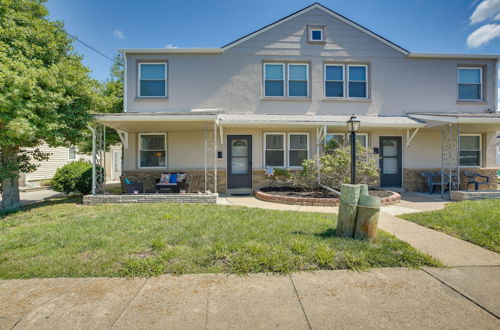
(46, 93)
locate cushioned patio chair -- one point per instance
(472, 178)
(129, 186)
(171, 181)
(432, 179)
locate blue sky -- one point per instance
(434, 26)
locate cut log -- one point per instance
(349, 197)
(363, 190)
(367, 218)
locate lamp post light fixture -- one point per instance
(353, 126)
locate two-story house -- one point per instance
(274, 97)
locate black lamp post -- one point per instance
(353, 126)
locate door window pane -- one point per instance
(239, 157)
(389, 148)
(470, 150)
(390, 166)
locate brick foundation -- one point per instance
(150, 198)
(414, 182)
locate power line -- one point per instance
(91, 47)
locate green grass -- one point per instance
(65, 239)
(475, 221)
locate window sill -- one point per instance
(346, 100)
(316, 42)
(287, 99)
(159, 98)
(472, 102)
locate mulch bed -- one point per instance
(297, 196)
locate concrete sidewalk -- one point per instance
(379, 299)
(36, 196)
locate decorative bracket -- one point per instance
(409, 137)
(123, 137)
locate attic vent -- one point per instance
(316, 34)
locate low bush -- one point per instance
(75, 177)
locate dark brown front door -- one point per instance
(239, 161)
(390, 161)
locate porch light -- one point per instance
(353, 126)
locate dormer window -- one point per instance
(316, 34)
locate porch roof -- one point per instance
(459, 118)
(126, 119)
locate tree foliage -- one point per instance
(46, 93)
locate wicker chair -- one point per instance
(131, 186)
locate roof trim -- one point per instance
(448, 56)
(316, 5)
(171, 50)
(456, 119)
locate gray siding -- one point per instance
(232, 81)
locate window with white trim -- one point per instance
(295, 76)
(274, 149)
(357, 77)
(152, 80)
(274, 79)
(470, 150)
(361, 139)
(470, 83)
(298, 149)
(152, 150)
(316, 34)
(298, 81)
(334, 80)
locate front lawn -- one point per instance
(475, 221)
(65, 239)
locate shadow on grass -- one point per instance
(329, 233)
(50, 202)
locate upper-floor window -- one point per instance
(346, 80)
(152, 80)
(294, 75)
(470, 86)
(316, 34)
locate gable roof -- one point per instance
(317, 5)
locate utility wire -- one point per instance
(92, 48)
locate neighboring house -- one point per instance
(274, 98)
(58, 157)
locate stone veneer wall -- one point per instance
(414, 182)
(150, 198)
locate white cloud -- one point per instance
(170, 46)
(483, 35)
(119, 34)
(488, 9)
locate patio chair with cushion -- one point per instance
(171, 181)
(130, 187)
(472, 178)
(432, 179)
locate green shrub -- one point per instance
(75, 177)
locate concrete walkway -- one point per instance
(36, 196)
(379, 299)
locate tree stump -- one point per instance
(349, 196)
(367, 218)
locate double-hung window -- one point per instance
(274, 151)
(152, 150)
(470, 150)
(152, 80)
(274, 79)
(358, 83)
(470, 87)
(295, 76)
(298, 84)
(334, 80)
(338, 138)
(298, 149)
